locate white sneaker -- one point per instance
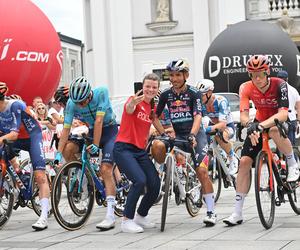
(129, 226)
(41, 224)
(293, 173)
(210, 219)
(233, 166)
(107, 224)
(143, 222)
(233, 220)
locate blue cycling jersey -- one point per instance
(219, 111)
(99, 105)
(16, 117)
(182, 108)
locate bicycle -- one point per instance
(266, 168)
(218, 169)
(78, 182)
(16, 189)
(186, 187)
(50, 169)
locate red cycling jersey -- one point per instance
(268, 103)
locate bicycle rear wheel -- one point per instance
(264, 192)
(72, 208)
(215, 176)
(193, 200)
(6, 199)
(294, 197)
(166, 192)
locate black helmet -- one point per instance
(62, 95)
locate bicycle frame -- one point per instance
(272, 164)
(86, 165)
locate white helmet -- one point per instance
(205, 85)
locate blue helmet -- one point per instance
(80, 89)
(178, 65)
(283, 74)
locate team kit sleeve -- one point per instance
(16, 112)
(161, 103)
(283, 99)
(69, 114)
(104, 102)
(223, 110)
(244, 97)
(197, 106)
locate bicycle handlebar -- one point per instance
(218, 133)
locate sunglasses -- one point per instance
(260, 74)
(41, 108)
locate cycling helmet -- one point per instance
(15, 97)
(283, 75)
(3, 88)
(205, 85)
(80, 89)
(62, 95)
(178, 65)
(258, 63)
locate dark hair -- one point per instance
(153, 77)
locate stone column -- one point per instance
(110, 57)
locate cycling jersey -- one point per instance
(99, 105)
(218, 111)
(182, 108)
(17, 117)
(268, 103)
(134, 128)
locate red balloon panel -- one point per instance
(30, 51)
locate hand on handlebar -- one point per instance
(192, 139)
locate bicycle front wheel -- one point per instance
(294, 196)
(193, 200)
(6, 199)
(264, 190)
(166, 192)
(72, 199)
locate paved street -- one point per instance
(182, 231)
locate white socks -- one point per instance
(210, 201)
(111, 203)
(45, 207)
(239, 203)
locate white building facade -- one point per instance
(126, 39)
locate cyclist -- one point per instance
(216, 107)
(294, 107)
(184, 104)
(133, 160)
(18, 125)
(95, 108)
(270, 97)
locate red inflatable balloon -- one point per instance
(30, 51)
